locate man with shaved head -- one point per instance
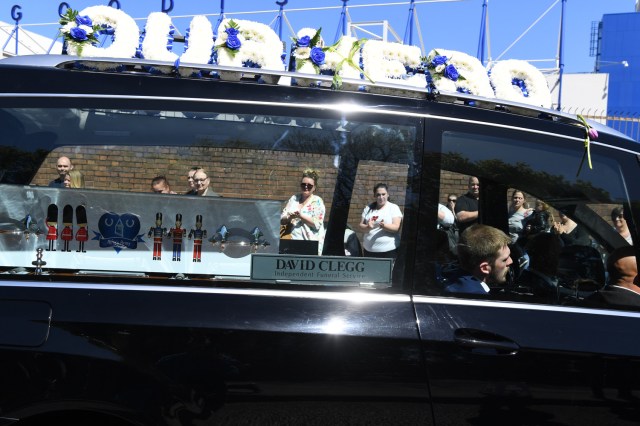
(621, 292)
(63, 166)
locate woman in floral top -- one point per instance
(304, 212)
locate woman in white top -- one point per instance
(381, 222)
(518, 212)
(304, 212)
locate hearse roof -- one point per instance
(284, 78)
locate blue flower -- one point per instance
(304, 41)
(439, 60)
(451, 72)
(317, 56)
(232, 32)
(233, 42)
(78, 34)
(84, 20)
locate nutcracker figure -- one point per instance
(52, 226)
(198, 235)
(177, 234)
(67, 232)
(158, 232)
(82, 234)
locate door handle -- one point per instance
(484, 342)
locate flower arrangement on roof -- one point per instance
(341, 59)
(309, 51)
(198, 41)
(442, 72)
(519, 81)
(392, 62)
(101, 18)
(472, 75)
(157, 38)
(78, 30)
(248, 44)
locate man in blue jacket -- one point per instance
(485, 258)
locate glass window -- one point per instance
(203, 195)
(561, 225)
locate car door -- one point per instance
(513, 357)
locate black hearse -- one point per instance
(119, 305)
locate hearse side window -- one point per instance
(560, 223)
(136, 214)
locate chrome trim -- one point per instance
(351, 296)
(436, 300)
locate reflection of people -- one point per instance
(381, 222)
(451, 202)
(304, 212)
(445, 216)
(201, 181)
(467, 205)
(620, 224)
(518, 212)
(74, 179)
(570, 232)
(63, 166)
(192, 186)
(160, 185)
(623, 290)
(484, 257)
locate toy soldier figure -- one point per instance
(158, 232)
(177, 234)
(198, 235)
(82, 234)
(67, 232)
(52, 226)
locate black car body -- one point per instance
(254, 335)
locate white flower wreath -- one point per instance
(519, 81)
(475, 81)
(158, 34)
(199, 41)
(252, 44)
(126, 34)
(385, 61)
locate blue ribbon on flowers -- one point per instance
(520, 83)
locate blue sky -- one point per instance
(451, 24)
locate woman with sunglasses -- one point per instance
(381, 222)
(304, 212)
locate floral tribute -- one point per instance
(78, 31)
(519, 81)
(341, 59)
(442, 73)
(308, 51)
(242, 43)
(248, 44)
(456, 71)
(90, 22)
(392, 63)
(157, 38)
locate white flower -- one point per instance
(67, 27)
(302, 52)
(439, 69)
